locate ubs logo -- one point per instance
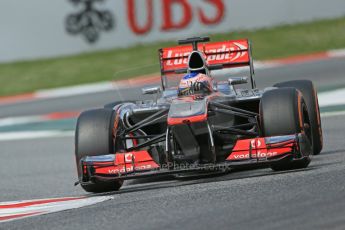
(89, 21)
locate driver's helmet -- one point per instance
(198, 80)
(195, 83)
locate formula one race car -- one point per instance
(200, 126)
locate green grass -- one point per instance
(282, 41)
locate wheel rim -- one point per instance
(307, 129)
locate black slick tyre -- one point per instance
(309, 93)
(93, 136)
(284, 112)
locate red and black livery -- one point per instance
(227, 128)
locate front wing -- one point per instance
(139, 164)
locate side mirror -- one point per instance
(151, 90)
(238, 80)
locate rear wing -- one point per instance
(219, 55)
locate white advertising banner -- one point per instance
(49, 28)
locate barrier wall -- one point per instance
(48, 28)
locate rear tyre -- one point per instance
(309, 93)
(284, 112)
(93, 136)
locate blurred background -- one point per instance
(48, 44)
(58, 58)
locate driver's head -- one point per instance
(197, 81)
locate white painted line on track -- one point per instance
(334, 97)
(27, 135)
(10, 211)
(10, 121)
(333, 114)
(19, 120)
(336, 53)
(75, 90)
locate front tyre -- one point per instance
(284, 112)
(309, 93)
(93, 137)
